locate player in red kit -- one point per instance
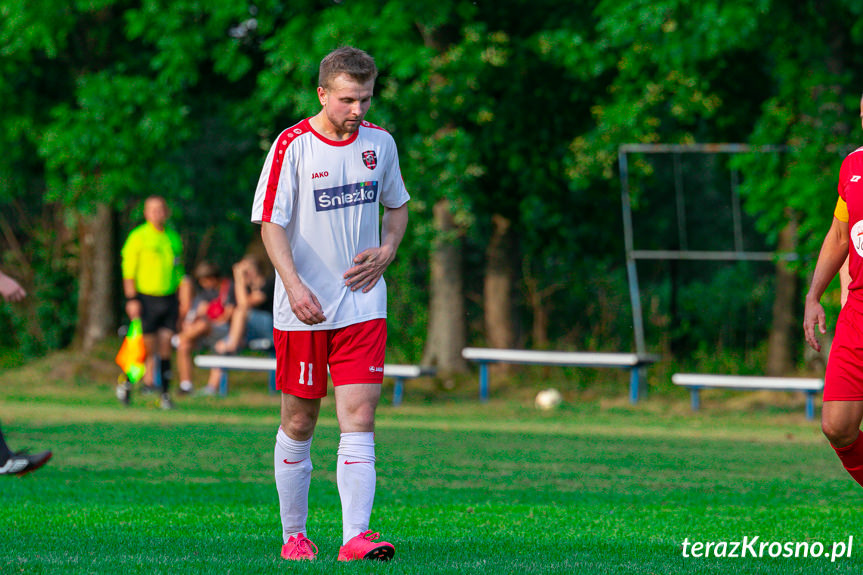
(318, 202)
(842, 411)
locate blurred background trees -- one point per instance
(508, 116)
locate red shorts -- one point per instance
(843, 380)
(354, 354)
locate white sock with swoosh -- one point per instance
(356, 479)
(293, 465)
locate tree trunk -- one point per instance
(784, 327)
(96, 314)
(497, 291)
(447, 327)
(538, 299)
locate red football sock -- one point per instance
(852, 458)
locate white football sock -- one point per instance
(356, 479)
(293, 465)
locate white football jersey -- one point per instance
(327, 196)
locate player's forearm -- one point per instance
(834, 250)
(394, 224)
(279, 249)
(129, 289)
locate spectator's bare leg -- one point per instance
(236, 332)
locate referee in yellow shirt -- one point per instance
(152, 275)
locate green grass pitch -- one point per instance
(463, 487)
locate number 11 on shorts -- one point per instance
(303, 372)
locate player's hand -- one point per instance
(371, 264)
(10, 289)
(304, 304)
(133, 308)
(814, 317)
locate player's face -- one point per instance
(156, 212)
(346, 103)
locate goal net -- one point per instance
(699, 273)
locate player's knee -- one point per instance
(839, 433)
(360, 418)
(299, 425)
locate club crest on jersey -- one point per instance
(370, 159)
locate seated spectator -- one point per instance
(253, 315)
(207, 321)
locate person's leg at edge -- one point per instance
(840, 423)
(19, 463)
(293, 464)
(5, 452)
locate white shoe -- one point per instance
(186, 387)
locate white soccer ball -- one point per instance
(548, 399)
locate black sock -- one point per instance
(165, 372)
(5, 452)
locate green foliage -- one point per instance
(497, 108)
(46, 319)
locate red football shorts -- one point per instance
(354, 354)
(843, 380)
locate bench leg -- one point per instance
(633, 385)
(695, 398)
(483, 381)
(398, 391)
(273, 383)
(223, 383)
(810, 405)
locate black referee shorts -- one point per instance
(159, 312)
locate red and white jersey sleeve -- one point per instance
(327, 195)
(851, 192)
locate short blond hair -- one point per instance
(346, 60)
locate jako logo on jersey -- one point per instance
(855, 178)
(370, 159)
(320, 175)
(373, 369)
(344, 196)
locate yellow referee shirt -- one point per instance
(154, 259)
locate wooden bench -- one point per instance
(228, 363)
(698, 381)
(631, 361)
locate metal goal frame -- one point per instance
(737, 253)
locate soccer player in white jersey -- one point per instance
(318, 202)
